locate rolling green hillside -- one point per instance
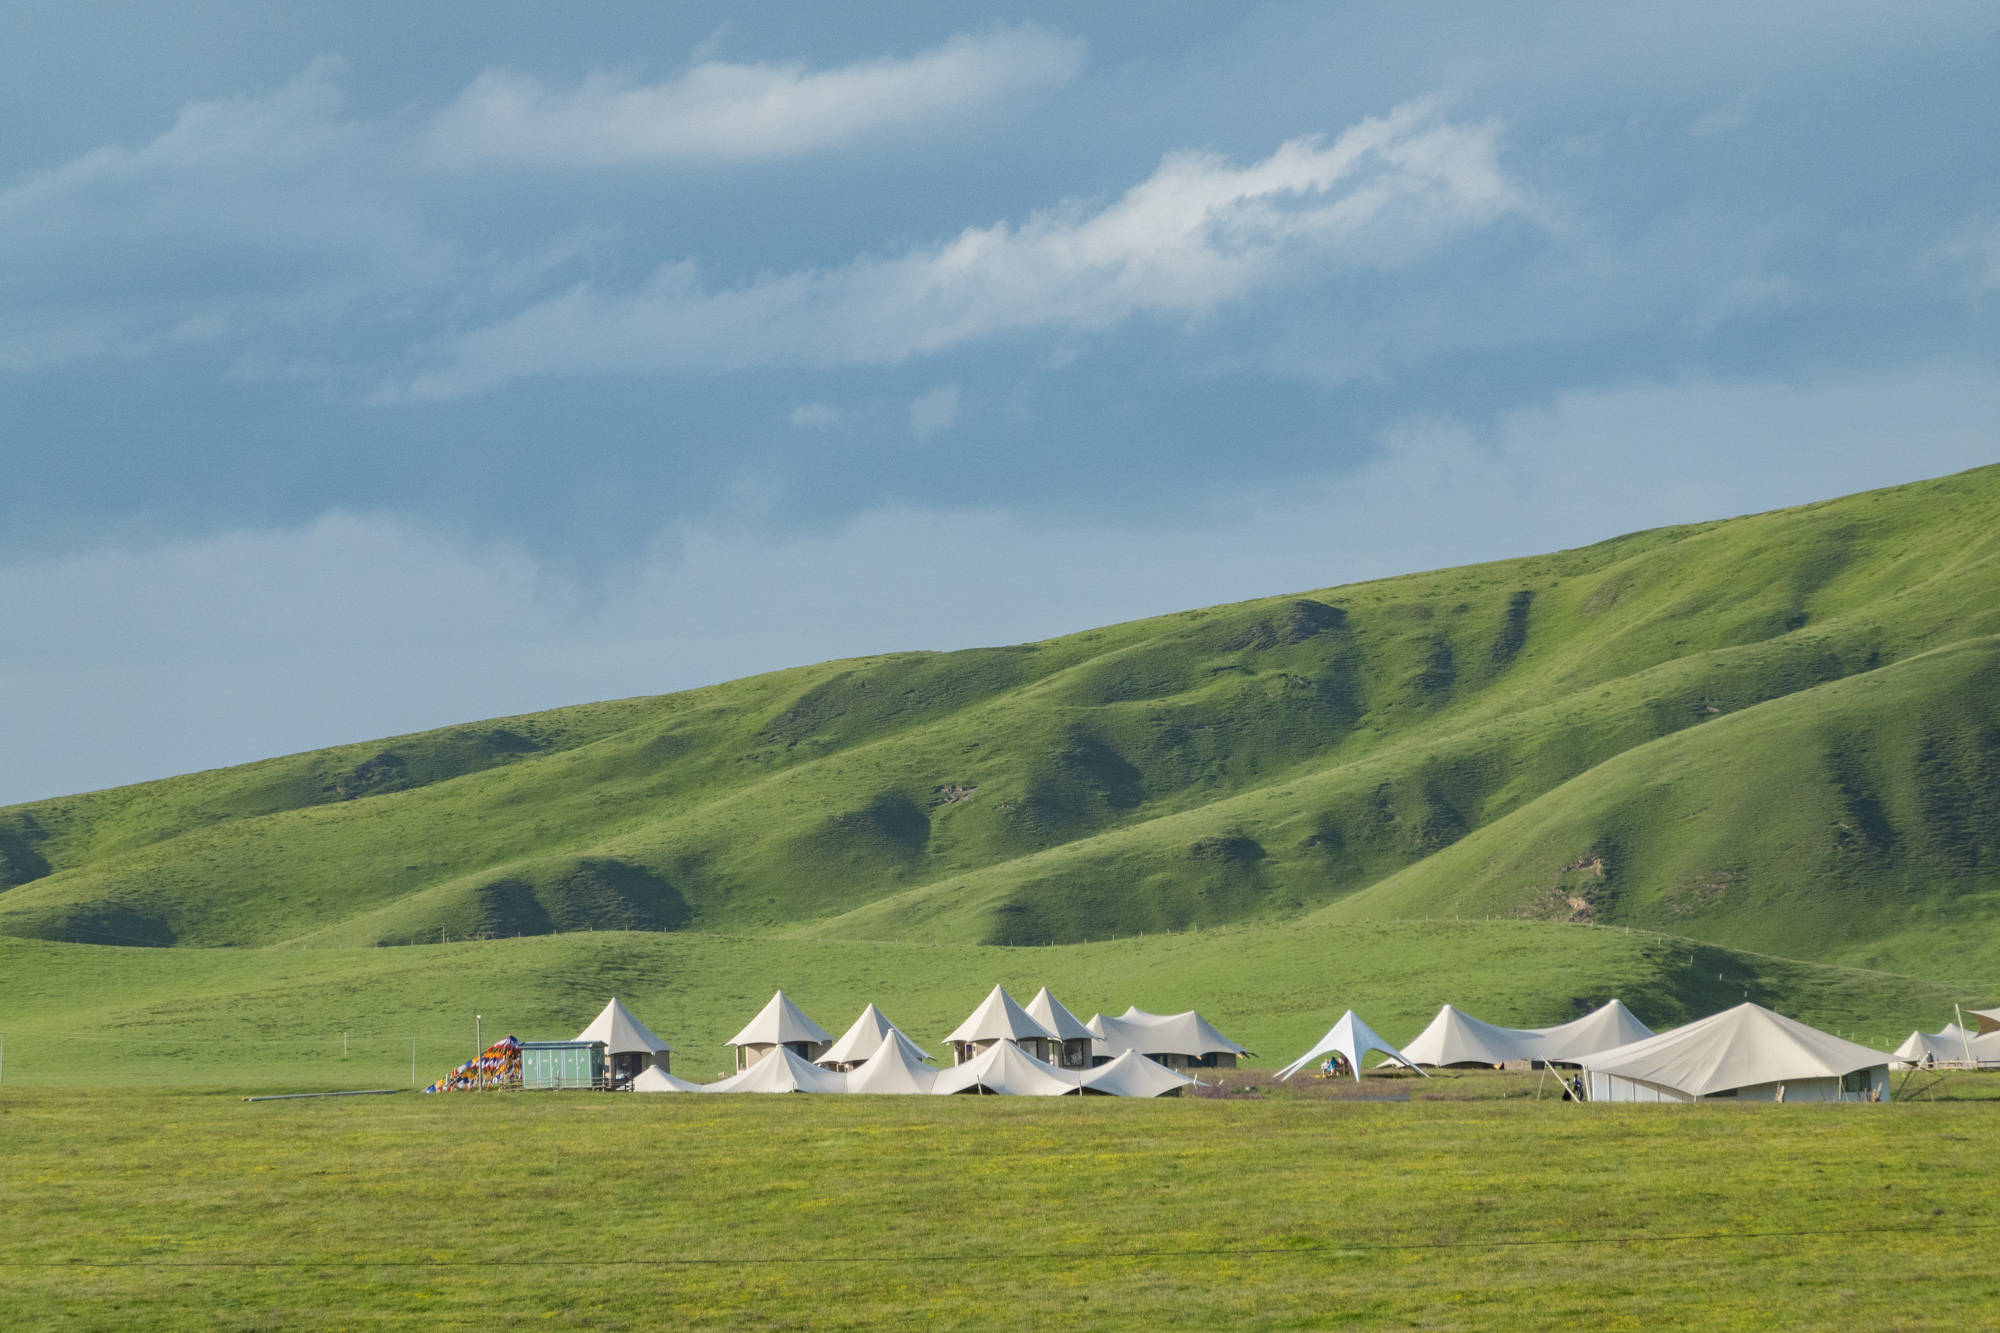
(1779, 732)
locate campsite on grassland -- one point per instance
(1754, 759)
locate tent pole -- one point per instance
(1964, 1041)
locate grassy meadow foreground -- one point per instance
(510, 1210)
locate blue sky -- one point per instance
(363, 369)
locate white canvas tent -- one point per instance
(630, 1045)
(1353, 1039)
(1133, 1075)
(861, 1039)
(783, 1070)
(1177, 1041)
(657, 1079)
(1455, 1037)
(998, 1019)
(1950, 1045)
(1004, 1069)
(779, 1023)
(895, 1069)
(1988, 1020)
(1748, 1053)
(1072, 1037)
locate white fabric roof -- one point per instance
(996, 1017)
(1186, 1033)
(621, 1032)
(778, 1021)
(1610, 1024)
(893, 1069)
(860, 1040)
(1734, 1049)
(1006, 1069)
(783, 1070)
(1133, 1075)
(1950, 1043)
(1456, 1037)
(1353, 1039)
(1988, 1020)
(655, 1079)
(1047, 1010)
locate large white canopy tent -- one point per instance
(656, 1079)
(1455, 1037)
(1174, 1040)
(1073, 1038)
(1005, 1070)
(780, 1023)
(1352, 1038)
(861, 1039)
(1133, 1075)
(998, 1019)
(1987, 1019)
(895, 1069)
(1748, 1053)
(783, 1070)
(630, 1044)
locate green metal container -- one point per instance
(562, 1064)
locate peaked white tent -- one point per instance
(1174, 1040)
(630, 1044)
(1748, 1053)
(860, 1041)
(1950, 1045)
(1133, 1075)
(1353, 1039)
(657, 1079)
(783, 1070)
(895, 1069)
(778, 1023)
(998, 1019)
(1455, 1037)
(1005, 1070)
(1072, 1037)
(1610, 1024)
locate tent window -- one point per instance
(1726, 1092)
(1858, 1081)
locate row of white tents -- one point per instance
(1747, 1053)
(1002, 1048)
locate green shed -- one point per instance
(562, 1064)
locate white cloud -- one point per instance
(934, 411)
(250, 644)
(719, 111)
(1197, 233)
(250, 216)
(814, 416)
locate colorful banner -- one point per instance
(499, 1066)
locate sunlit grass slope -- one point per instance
(1777, 732)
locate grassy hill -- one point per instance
(1778, 733)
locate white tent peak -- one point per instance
(655, 1079)
(1133, 1075)
(783, 1070)
(1186, 1033)
(1455, 1037)
(1007, 1070)
(1047, 1010)
(1353, 1039)
(621, 1032)
(863, 1037)
(999, 1017)
(894, 1069)
(778, 1022)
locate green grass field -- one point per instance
(140, 1209)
